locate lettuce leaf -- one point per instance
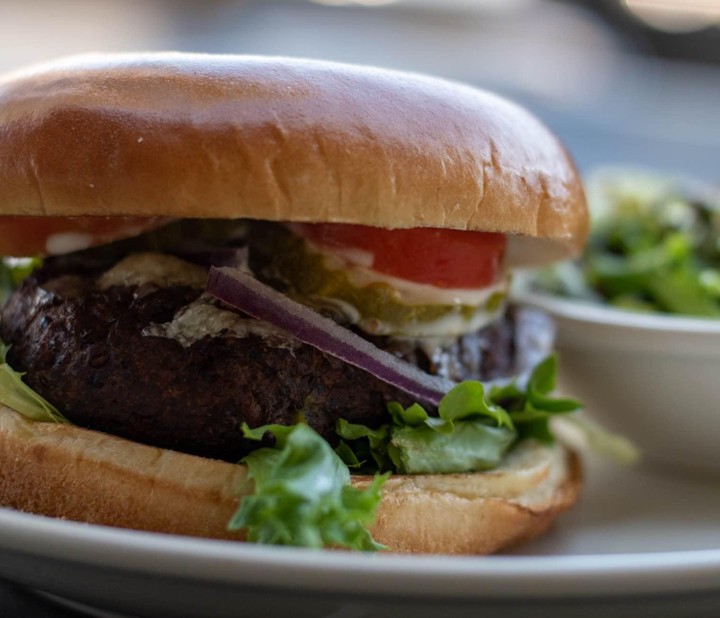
(468, 434)
(472, 446)
(14, 393)
(303, 494)
(473, 430)
(532, 408)
(17, 395)
(12, 272)
(612, 446)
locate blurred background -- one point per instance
(622, 81)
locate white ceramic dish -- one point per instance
(639, 543)
(652, 378)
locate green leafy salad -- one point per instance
(654, 246)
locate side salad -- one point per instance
(654, 247)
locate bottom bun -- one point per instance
(73, 473)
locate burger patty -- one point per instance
(88, 351)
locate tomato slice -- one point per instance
(30, 236)
(443, 258)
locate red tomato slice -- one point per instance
(443, 258)
(30, 236)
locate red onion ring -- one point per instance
(242, 291)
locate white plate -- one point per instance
(640, 543)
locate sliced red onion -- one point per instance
(244, 292)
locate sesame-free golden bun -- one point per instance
(187, 135)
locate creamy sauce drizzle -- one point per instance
(66, 242)
(153, 268)
(202, 319)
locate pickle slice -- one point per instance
(288, 261)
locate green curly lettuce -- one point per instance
(12, 272)
(473, 431)
(14, 393)
(303, 495)
(17, 395)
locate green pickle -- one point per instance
(286, 259)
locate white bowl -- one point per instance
(653, 378)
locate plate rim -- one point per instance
(229, 562)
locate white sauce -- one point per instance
(153, 268)
(202, 319)
(357, 257)
(197, 320)
(67, 242)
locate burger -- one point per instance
(265, 299)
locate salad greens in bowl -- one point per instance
(654, 246)
(636, 314)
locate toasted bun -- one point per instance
(279, 139)
(64, 471)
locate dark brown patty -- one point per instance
(83, 350)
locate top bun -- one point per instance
(281, 139)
